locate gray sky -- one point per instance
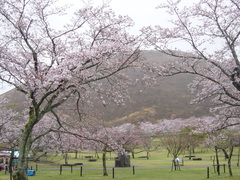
(143, 12)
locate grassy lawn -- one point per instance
(157, 167)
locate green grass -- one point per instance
(158, 167)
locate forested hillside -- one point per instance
(168, 100)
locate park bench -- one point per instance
(78, 164)
(92, 160)
(71, 165)
(196, 159)
(142, 157)
(88, 156)
(190, 156)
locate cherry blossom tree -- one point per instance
(128, 136)
(50, 64)
(99, 138)
(225, 141)
(101, 141)
(69, 143)
(148, 131)
(193, 139)
(203, 37)
(175, 144)
(115, 139)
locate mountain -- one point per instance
(168, 100)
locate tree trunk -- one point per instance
(238, 155)
(217, 160)
(96, 154)
(225, 154)
(66, 157)
(168, 153)
(133, 154)
(229, 161)
(10, 166)
(104, 163)
(174, 164)
(76, 154)
(190, 154)
(24, 147)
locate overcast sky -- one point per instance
(143, 12)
